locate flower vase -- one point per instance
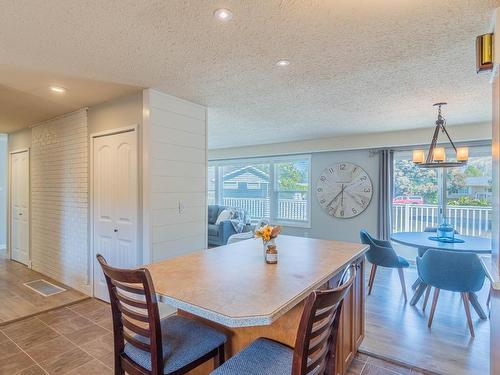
(266, 244)
(445, 231)
(270, 252)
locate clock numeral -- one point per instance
(330, 170)
(342, 167)
(363, 178)
(323, 178)
(319, 190)
(367, 190)
(354, 211)
(363, 202)
(342, 213)
(322, 201)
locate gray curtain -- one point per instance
(385, 186)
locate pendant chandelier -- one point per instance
(436, 157)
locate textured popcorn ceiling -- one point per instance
(356, 66)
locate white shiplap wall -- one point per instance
(174, 174)
(59, 199)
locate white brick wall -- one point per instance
(59, 200)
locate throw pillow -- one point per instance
(223, 216)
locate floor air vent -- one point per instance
(43, 287)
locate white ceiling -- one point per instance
(26, 98)
(356, 66)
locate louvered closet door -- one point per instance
(114, 204)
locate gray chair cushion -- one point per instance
(213, 230)
(184, 341)
(261, 357)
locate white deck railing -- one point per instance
(467, 220)
(257, 208)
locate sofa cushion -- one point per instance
(213, 230)
(223, 216)
(213, 213)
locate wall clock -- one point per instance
(344, 190)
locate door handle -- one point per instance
(20, 214)
(115, 230)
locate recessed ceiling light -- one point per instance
(223, 14)
(282, 63)
(57, 89)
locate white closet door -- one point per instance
(20, 195)
(114, 204)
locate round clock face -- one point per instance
(344, 190)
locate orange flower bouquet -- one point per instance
(267, 232)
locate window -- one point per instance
(253, 185)
(277, 189)
(468, 194)
(232, 185)
(211, 185)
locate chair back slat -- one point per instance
(144, 332)
(316, 343)
(128, 288)
(316, 359)
(132, 314)
(322, 314)
(138, 344)
(131, 301)
(321, 327)
(136, 318)
(319, 344)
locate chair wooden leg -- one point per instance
(433, 307)
(465, 299)
(415, 284)
(372, 278)
(219, 358)
(426, 298)
(403, 284)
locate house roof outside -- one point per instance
(480, 181)
(247, 174)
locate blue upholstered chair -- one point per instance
(421, 252)
(454, 271)
(218, 234)
(382, 254)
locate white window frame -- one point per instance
(273, 192)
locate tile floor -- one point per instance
(18, 301)
(77, 340)
(74, 340)
(367, 365)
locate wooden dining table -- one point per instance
(233, 289)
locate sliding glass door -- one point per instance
(466, 192)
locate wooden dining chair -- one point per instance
(144, 344)
(315, 344)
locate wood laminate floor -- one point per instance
(18, 301)
(397, 331)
